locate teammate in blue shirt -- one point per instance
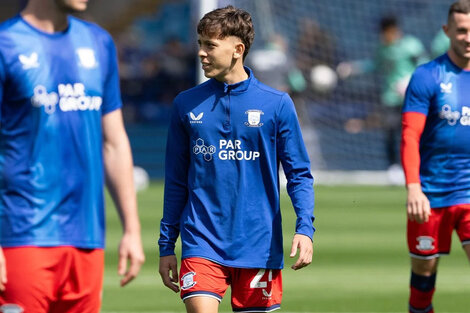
(436, 157)
(61, 137)
(226, 140)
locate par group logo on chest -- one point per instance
(86, 57)
(70, 97)
(229, 150)
(454, 117)
(206, 151)
(254, 118)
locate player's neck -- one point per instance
(46, 16)
(236, 75)
(461, 62)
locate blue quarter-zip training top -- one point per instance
(225, 144)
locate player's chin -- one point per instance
(76, 7)
(80, 7)
(209, 73)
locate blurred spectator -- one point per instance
(151, 79)
(396, 58)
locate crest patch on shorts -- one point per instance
(11, 308)
(188, 280)
(425, 243)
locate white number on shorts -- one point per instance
(256, 281)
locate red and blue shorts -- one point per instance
(432, 239)
(53, 280)
(253, 290)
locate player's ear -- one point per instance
(239, 50)
(445, 28)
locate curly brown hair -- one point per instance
(228, 21)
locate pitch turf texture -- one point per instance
(360, 259)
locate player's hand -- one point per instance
(305, 246)
(168, 270)
(130, 249)
(417, 204)
(3, 271)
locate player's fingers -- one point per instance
(3, 277)
(409, 211)
(122, 263)
(169, 275)
(305, 257)
(412, 209)
(3, 271)
(174, 273)
(427, 211)
(301, 262)
(418, 212)
(167, 281)
(134, 269)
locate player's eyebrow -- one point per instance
(206, 41)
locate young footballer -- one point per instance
(436, 157)
(226, 140)
(61, 137)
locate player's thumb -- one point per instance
(293, 250)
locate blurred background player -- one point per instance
(396, 58)
(274, 66)
(226, 139)
(316, 51)
(436, 157)
(62, 136)
(439, 44)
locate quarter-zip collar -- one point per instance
(239, 87)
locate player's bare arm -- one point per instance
(417, 204)
(304, 245)
(119, 179)
(168, 270)
(3, 271)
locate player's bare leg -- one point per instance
(466, 248)
(201, 305)
(424, 267)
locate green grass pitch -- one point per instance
(360, 262)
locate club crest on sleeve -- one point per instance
(87, 58)
(11, 308)
(254, 118)
(425, 243)
(188, 280)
